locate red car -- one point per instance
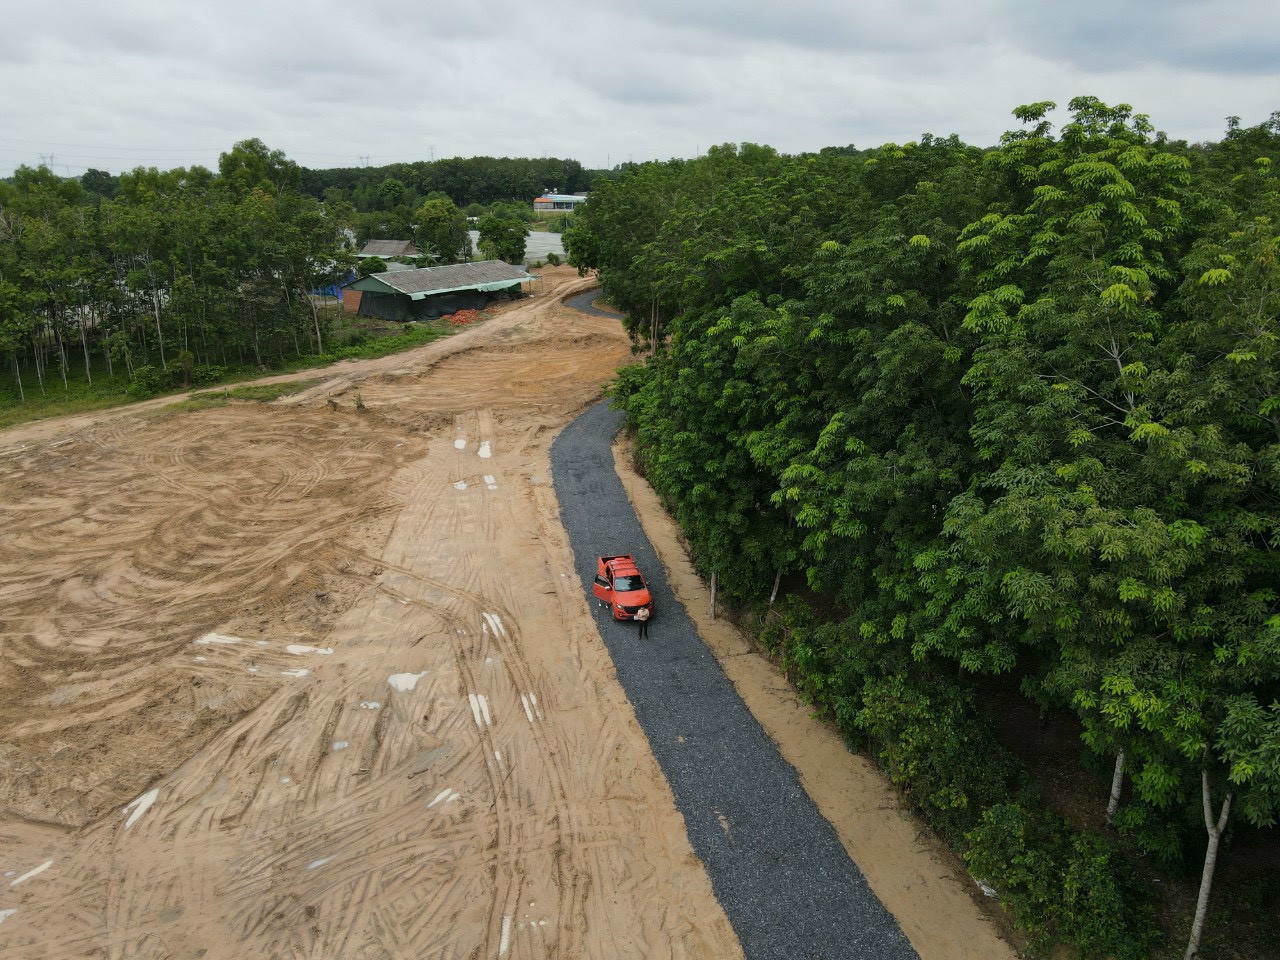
(620, 587)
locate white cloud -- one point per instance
(139, 82)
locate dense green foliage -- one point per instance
(1005, 411)
(1061, 885)
(388, 200)
(441, 231)
(466, 180)
(176, 272)
(502, 238)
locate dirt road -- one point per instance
(286, 681)
(295, 681)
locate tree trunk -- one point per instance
(1117, 780)
(62, 359)
(155, 306)
(288, 301)
(713, 594)
(204, 340)
(773, 595)
(1210, 861)
(84, 344)
(37, 351)
(315, 318)
(17, 376)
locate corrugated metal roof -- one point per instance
(426, 281)
(389, 248)
(563, 197)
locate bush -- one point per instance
(1060, 885)
(931, 743)
(206, 374)
(924, 731)
(183, 365)
(148, 381)
(553, 258)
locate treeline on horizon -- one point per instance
(381, 201)
(153, 279)
(939, 413)
(385, 199)
(466, 181)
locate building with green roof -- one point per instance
(430, 292)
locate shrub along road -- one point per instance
(777, 866)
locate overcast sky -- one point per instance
(115, 84)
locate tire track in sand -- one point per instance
(337, 813)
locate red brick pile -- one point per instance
(464, 317)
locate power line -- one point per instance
(134, 160)
(102, 151)
(100, 146)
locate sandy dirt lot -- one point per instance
(294, 681)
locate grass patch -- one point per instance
(12, 415)
(267, 392)
(259, 393)
(356, 338)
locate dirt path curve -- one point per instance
(285, 681)
(562, 283)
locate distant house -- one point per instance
(389, 249)
(430, 292)
(559, 201)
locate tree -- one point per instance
(977, 405)
(251, 164)
(15, 327)
(100, 183)
(1219, 433)
(442, 231)
(502, 238)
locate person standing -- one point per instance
(642, 618)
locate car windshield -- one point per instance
(625, 584)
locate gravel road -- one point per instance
(586, 302)
(777, 866)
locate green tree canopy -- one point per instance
(502, 238)
(442, 231)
